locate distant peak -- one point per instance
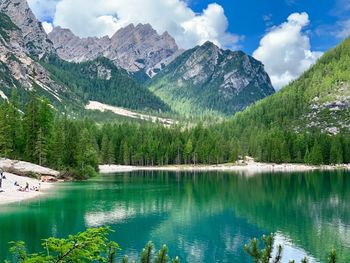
(209, 44)
(144, 26)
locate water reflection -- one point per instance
(204, 217)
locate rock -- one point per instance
(209, 78)
(26, 169)
(21, 44)
(35, 39)
(133, 48)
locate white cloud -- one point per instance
(48, 27)
(285, 50)
(105, 17)
(344, 30)
(43, 9)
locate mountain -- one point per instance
(70, 71)
(35, 40)
(307, 121)
(100, 80)
(19, 67)
(28, 60)
(207, 78)
(137, 49)
(319, 99)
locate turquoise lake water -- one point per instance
(202, 217)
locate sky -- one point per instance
(288, 36)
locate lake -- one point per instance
(202, 217)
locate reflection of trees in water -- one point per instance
(310, 208)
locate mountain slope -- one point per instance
(319, 99)
(28, 60)
(35, 39)
(307, 121)
(20, 70)
(207, 78)
(102, 81)
(137, 49)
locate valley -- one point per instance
(172, 130)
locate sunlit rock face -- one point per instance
(35, 40)
(207, 77)
(134, 48)
(22, 42)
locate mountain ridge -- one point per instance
(206, 76)
(134, 48)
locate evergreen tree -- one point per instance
(6, 140)
(56, 150)
(188, 150)
(316, 156)
(336, 151)
(31, 126)
(15, 122)
(41, 148)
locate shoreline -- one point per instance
(20, 171)
(250, 167)
(11, 194)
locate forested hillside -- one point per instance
(102, 81)
(307, 121)
(29, 59)
(206, 79)
(78, 146)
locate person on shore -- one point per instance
(2, 176)
(26, 189)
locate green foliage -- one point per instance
(264, 254)
(146, 255)
(278, 128)
(332, 258)
(102, 81)
(162, 256)
(91, 245)
(37, 136)
(206, 92)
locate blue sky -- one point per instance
(246, 17)
(287, 36)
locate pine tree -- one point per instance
(31, 126)
(110, 153)
(336, 151)
(6, 141)
(41, 148)
(146, 255)
(57, 148)
(188, 150)
(15, 122)
(162, 256)
(316, 156)
(104, 149)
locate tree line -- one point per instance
(38, 136)
(41, 136)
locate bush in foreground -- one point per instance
(265, 254)
(93, 245)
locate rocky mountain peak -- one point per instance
(134, 48)
(208, 77)
(36, 42)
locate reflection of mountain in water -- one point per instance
(203, 217)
